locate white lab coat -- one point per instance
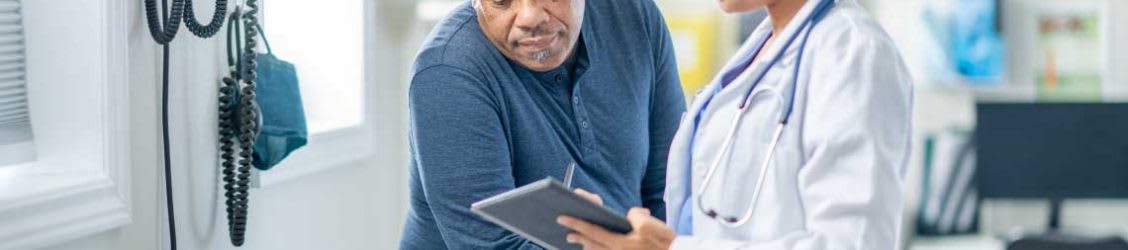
(835, 182)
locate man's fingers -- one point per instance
(588, 230)
(590, 196)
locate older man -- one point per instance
(508, 92)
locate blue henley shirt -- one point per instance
(482, 124)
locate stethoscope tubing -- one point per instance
(726, 148)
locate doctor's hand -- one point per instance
(648, 233)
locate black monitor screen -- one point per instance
(1052, 150)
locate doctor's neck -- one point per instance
(781, 12)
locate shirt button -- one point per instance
(584, 124)
(576, 99)
(559, 77)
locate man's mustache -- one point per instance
(536, 32)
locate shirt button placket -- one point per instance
(585, 125)
(579, 111)
(585, 134)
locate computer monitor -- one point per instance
(1055, 151)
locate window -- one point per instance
(15, 122)
(327, 45)
(431, 11)
(325, 42)
(76, 93)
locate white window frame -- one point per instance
(58, 201)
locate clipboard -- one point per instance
(531, 211)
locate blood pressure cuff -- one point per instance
(281, 118)
(283, 125)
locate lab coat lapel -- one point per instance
(678, 179)
(677, 164)
(678, 176)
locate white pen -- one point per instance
(568, 174)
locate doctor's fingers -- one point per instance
(638, 217)
(638, 213)
(589, 231)
(586, 242)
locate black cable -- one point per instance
(248, 116)
(167, 162)
(216, 22)
(227, 130)
(239, 117)
(163, 29)
(164, 32)
(164, 129)
(170, 23)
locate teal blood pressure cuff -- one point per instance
(283, 126)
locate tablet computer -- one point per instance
(531, 211)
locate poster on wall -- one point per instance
(1070, 58)
(695, 37)
(964, 46)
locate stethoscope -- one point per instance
(732, 221)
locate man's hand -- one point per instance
(590, 196)
(648, 233)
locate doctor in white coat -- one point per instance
(799, 143)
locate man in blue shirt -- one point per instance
(508, 92)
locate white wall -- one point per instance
(359, 206)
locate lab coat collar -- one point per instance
(792, 28)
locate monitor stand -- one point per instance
(1056, 238)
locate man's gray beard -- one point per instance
(540, 56)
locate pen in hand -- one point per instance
(568, 172)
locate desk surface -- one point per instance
(974, 242)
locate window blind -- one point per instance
(15, 120)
